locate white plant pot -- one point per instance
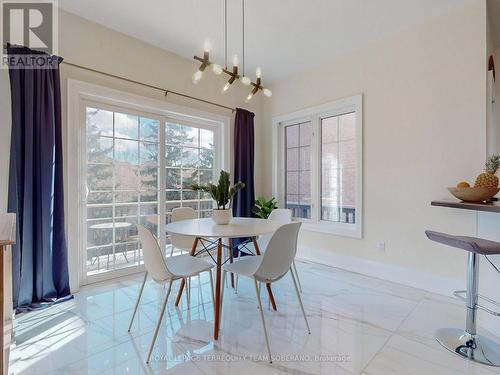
(222, 217)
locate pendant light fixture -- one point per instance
(233, 74)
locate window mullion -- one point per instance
(162, 198)
(113, 188)
(316, 170)
(339, 174)
(281, 170)
(138, 183)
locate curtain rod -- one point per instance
(150, 86)
(5, 46)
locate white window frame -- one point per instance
(83, 94)
(315, 115)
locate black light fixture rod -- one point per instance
(225, 34)
(243, 33)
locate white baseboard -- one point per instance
(405, 276)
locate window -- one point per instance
(298, 169)
(338, 168)
(122, 185)
(128, 155)
(319, 166)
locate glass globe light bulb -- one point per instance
(245, 80)
(267, 93)
(258, 73)
(217, 69)
(197, 76)
(226, 87)
(207, 45)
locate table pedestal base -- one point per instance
(218, 284)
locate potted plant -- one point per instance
(264, 207)
(222, 194)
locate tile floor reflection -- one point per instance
(359, 325)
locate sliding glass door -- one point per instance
(190, 158)
(137, 168)
(122, 166)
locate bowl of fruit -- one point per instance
(485, 187)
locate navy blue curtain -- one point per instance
(40, 264)
(244, 200)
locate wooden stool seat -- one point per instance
(471, 244)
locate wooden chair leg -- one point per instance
(181, 287)
(268, 286)
(231, 260)
(218, 287)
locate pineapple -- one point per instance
(488, 178)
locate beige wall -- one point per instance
(85, 43)
(492, 132)
(497, 81)
(490, 42)
(424, 116)
(424, 130)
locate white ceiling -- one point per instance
(283, 37)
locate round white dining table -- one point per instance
(206, 228)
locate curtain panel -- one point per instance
(40, 262)
(243, 166)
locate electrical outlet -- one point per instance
(381, 246)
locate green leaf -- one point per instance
(263, 207)
(223, 192)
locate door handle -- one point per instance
(87, 191)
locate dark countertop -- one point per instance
(455, 203)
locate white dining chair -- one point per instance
(270, 267)
(180, 242)
(185, 243)
(165, 270)
(282, 216)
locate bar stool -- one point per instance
(468, 343)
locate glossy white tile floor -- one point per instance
(359, 325)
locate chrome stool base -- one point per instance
(476, 348)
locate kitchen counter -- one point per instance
(455, 203)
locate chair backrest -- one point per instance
(180, 241)
(280, 253)
(280, 215)
(283, 215)
(153, 257)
